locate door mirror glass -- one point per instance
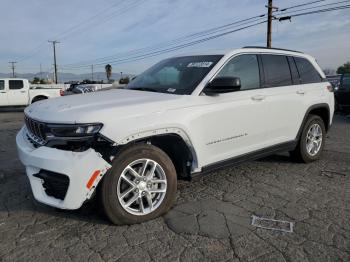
(223, 85)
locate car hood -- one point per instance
(101, 106)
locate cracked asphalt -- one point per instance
(209, 222)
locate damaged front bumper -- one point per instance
(59, 178)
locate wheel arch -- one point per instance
(174, 142)
(321, 110)
(40, 97)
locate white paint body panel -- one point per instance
(62, 162)
(215, 128)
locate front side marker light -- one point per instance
(92, 179)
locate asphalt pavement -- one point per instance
(211, 220)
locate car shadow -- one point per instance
(11, 109)
(279, 158)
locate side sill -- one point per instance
(283, 147)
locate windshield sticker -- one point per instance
(171, 90)
(200, 64)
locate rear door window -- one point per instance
(15, 84)
(2, 84)
(308, 73)
(276, 70)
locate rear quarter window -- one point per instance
(2, 84)
(307, 72)
(15, 84)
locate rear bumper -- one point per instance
(58, 178)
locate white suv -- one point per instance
(184, 115)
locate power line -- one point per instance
(90, 23)
(316, 11)
(171, 42)
(174, 42)
(85, 23)
(304, 4)
(167, 50)
(309, 8)
(179, 40)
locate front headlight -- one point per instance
(77, 130)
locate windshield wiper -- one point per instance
(145, 89)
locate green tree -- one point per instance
(36, 80)
(108, 69)
(344, 68)
(124, 80)
(43, 81)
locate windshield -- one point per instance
(179, 75)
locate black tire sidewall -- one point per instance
(111, 205)
(306, 157)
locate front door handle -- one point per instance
(301, 92)
(258, 98)
(23, 91)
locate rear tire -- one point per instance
(151, 189)
(311, 141)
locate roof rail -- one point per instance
(282, 49)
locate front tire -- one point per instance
(140, 186)
(312, 140)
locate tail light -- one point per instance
(330, 88)
(61, 92)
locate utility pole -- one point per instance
(13, 67)
(54, 42)
(92, 72)
(41, 72)
(269, 24)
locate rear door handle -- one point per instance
(301, 92)
(258, 98)
(23, 91)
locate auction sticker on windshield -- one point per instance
(200, 64)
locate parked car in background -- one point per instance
(342, 94)
(185, 115)
(18, 92)
(80, 89)
(334, 80)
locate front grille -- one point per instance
(55, 184)
(36, 130)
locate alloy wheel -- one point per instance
(142, 187)
(314, 139)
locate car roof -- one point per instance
(9, 78)
(250, 49)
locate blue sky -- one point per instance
(90, 29)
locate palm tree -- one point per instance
(108, 69)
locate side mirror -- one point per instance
(223, 85)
